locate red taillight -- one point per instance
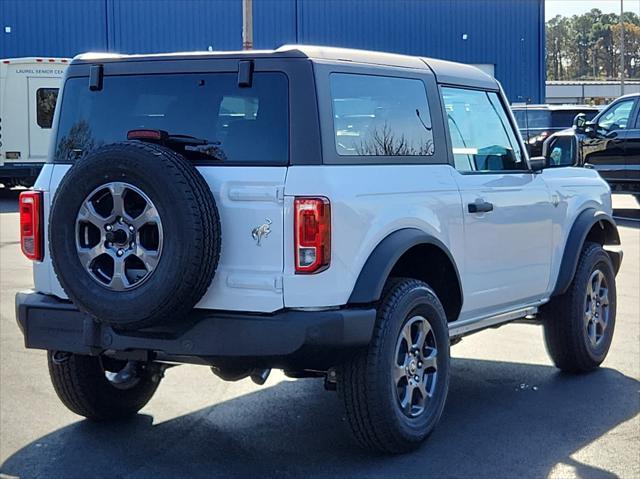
(30, 204)
(312, 234)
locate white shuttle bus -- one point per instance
(28, 94)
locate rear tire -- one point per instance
(394, 392)
(579, 325)
(82, 385)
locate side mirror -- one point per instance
(537, 163)
(579, 122)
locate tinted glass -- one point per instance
(549, 118)
(564, 118)
(616, 117)
(481, 135)
(243, 125)
(520, 117)
(380, 116)
(45, 106)
(533, 118)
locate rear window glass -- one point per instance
(549, 118)
(380, 116)
(564, 118)
(533, 118)
(45, 106)
(244, 125)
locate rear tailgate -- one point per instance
(247, 177)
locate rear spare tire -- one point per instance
(134, 235)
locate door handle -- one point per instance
(480, 207)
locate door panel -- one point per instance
(632, 154)
(506, 207)
(249, 275)
(605, 154)
(507, 249)
(603, 148)
(245, 170)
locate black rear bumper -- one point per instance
(20, 170)
(287, 339)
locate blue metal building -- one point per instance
(505, 37)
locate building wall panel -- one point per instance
(505, 33)
(53, 28)
(154, 26)
(508, 34)
(274, 23)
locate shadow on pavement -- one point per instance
(9, 200)
(496, 424)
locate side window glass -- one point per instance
(481, 135)
(617, 118)
(380, 116)
(45, 106)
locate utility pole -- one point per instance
(247, 24)
(621, 48)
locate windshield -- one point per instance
(247, 125)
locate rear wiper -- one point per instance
(190, 143)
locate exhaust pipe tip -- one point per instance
(259, 376)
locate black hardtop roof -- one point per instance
(445, 71)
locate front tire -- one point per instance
(394, 391)
(82, 383)
(579, 325)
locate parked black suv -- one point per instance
(609, 143)
(537, 122)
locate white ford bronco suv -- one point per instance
(328, 212)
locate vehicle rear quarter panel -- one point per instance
(575, 189)
(368, 202)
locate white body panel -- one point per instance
(573, 190)
(20, 79)
(368, 202)
(507, 250)
(248, 277)
(507, 259)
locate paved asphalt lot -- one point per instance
(510, 413)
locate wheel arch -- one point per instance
(590, 225)
(411, 252)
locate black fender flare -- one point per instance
(575, 242)
(385, 255)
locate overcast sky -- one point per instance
(577, 7)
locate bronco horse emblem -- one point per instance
(261, 231)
